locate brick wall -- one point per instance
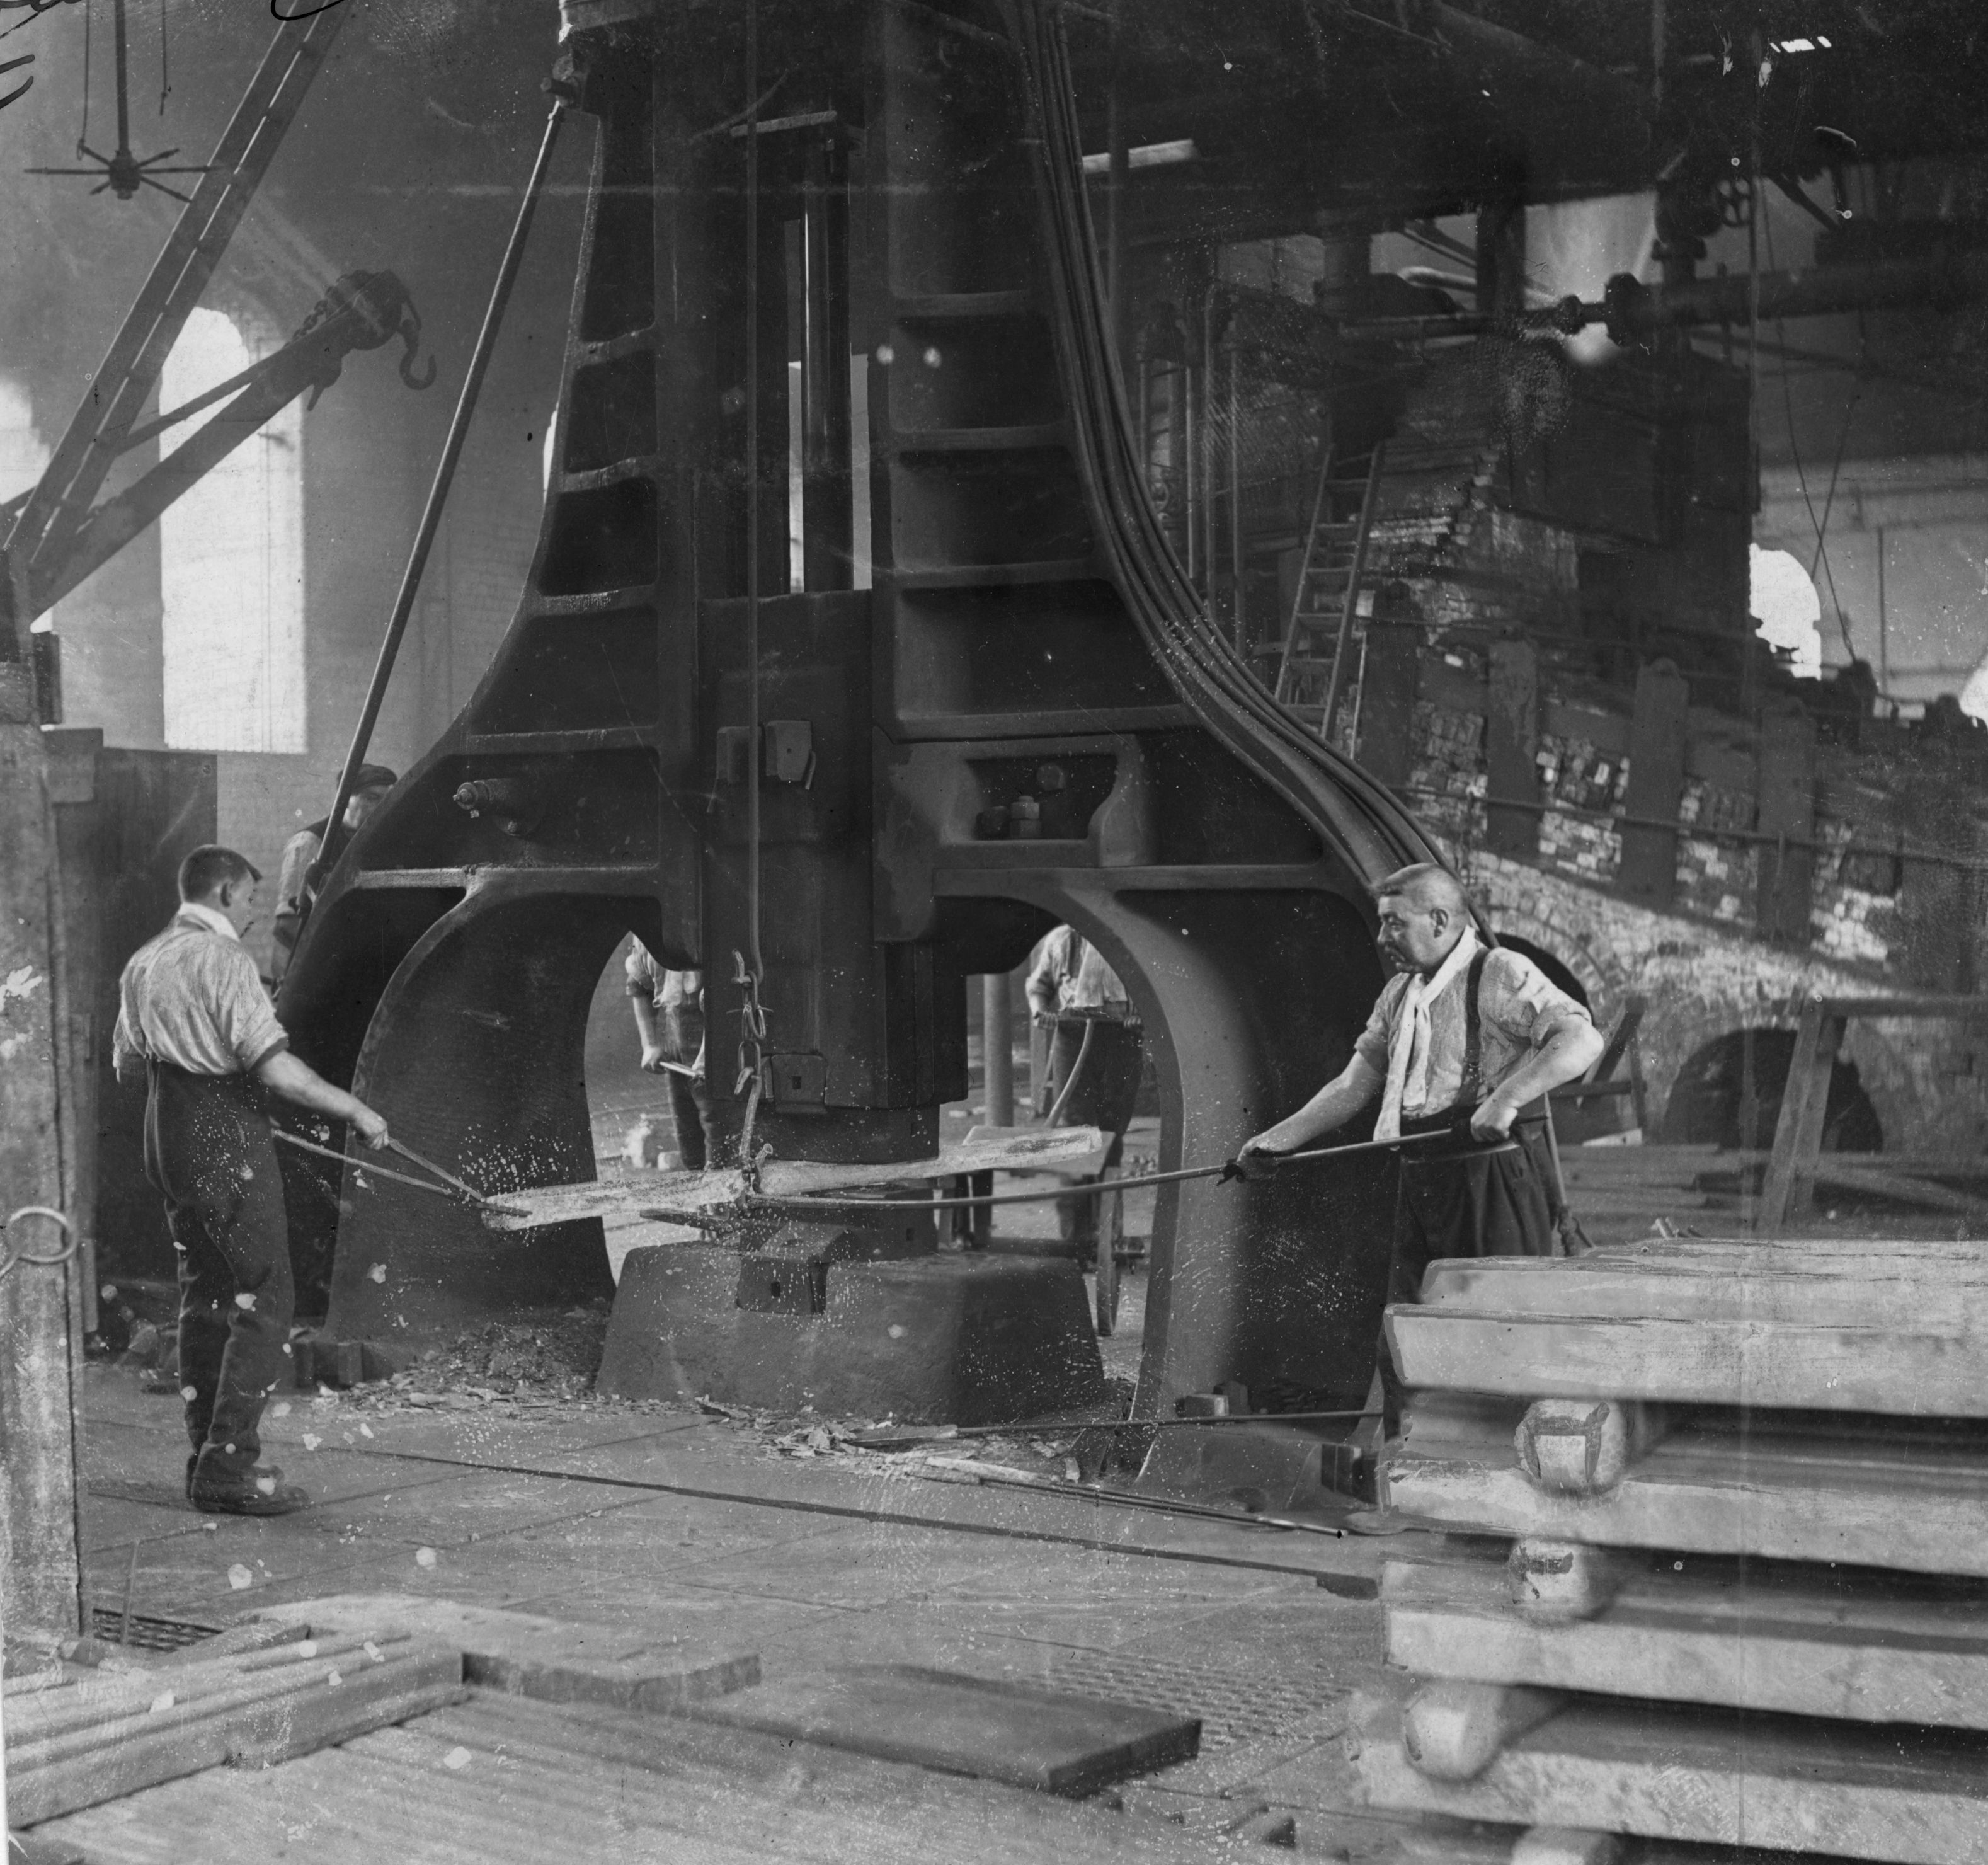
(1928, 1081)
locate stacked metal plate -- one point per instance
(1725, 1585)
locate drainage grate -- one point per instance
(146, 1633)
(1235, 1705)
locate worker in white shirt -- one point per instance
(195, 1026)
(1095, 1052)
(1468, 1038)
(669, 1018)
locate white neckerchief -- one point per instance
(1408, 1046)
(212, 918)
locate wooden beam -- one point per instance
(40, 1308)
(1915, 1504)
(1806, 1647)
(1738, 1360)
(1906, 1292)
(1798, 1131)
(340, 1697)
(1707, 1777)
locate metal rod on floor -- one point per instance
(946, 1434)
(1128, 1499)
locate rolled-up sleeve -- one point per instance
(1525, 1003)
(1051, 967)
(644, 975)
(242, 1012)
(124, 1050)
(299, 852)
(1370, 1045)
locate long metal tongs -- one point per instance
(450, 1187)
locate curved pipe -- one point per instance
(1357, 816)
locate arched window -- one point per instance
(231, 565)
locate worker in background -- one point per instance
(196, 1026)
(1095, 1053)
(1466, 1039)
(293, 904)
(669, 1017)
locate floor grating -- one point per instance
(146, 1632)
(1234, 1705)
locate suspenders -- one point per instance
(1471, 1090)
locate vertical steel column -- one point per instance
(1235, 501)
(825, 506)
(997, 1039)
(1116, 241)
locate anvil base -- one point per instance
(939, 1339)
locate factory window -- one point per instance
(231, 564)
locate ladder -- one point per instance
(1311, 673)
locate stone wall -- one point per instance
(1927, 1081)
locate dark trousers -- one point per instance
(208, 1150)
(1465, 1204)
(698, 1143)
(1105, 1087)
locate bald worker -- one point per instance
(1466, 1039)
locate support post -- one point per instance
(997, 1009)
(1797, 1147)
(40, 1311)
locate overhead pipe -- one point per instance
(1633, 312)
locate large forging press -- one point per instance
(846, 551)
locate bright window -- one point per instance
(231, 564)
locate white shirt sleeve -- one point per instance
(1524, 1002)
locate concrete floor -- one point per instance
(663, 1518)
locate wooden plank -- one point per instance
(1736, 1362)
(1798, 1128)
(1905, 1294)
(502, 1781)
(1902, 1185)
(1963, 1008)
(92, 1705)
(984, 1149)
(556, 1661)
(1777, 1644)
(1916, 1505)
(341, 1699)
(40, 1310)
(1709, 1777)
(1838, 1255)
(1048, 1740)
